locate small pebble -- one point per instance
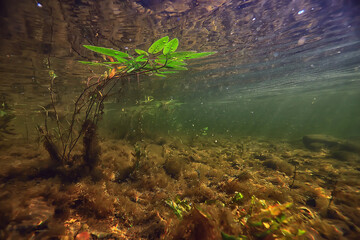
(83, 236)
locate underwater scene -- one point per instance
(179, 119)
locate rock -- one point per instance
(319, 141)
(345, 156)
(340, 149)
(83, 236)
(350, 147)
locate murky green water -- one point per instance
(282, 70)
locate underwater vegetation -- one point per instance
(260, 219)
(169, 189)
(160, 59)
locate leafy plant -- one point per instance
(160, 59)
(179, 206)
(204, 131)
(237, 198)
(271, 221)
(225, 236)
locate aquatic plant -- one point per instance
(271, 221)
(159, 60)
(237, 198)
(179, 206)
(225, 236)
(204, 131)
(263, 220)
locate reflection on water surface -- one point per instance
(273, 117)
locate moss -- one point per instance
(200, 193)
(279, 165)
(244, 176)
(137, 203)
(174, 167)
(196, 226)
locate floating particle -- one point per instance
(38, 4)
(301, 41)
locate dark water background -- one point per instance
(283, 69)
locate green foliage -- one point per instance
(171, 46)
(52, 74)
(158, 45)
(160, 59)
(225, 236)
(204, 131)
(237, 198)
(179, 206)
(107, 51)
(141, 52)
(152, 62)
(271, 221)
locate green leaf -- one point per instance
(140, 59)
(167, 72)
(256, 224)
(116, 63)
(190, 55)
(180, 55)
(158, 45)
(130, 70)
(225, 236)
(280, 218)
(93, 63)
(119, 59)
(107, 51)
(176, 63)
(133, 64)
(171, 46)
(301, 232)
(176, 66)
(141, 52)
(200, 54)
(237, 197)
(161, 61)
(159, 75)
(170, 62)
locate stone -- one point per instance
(318, 141)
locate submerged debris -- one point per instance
(151, 191)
